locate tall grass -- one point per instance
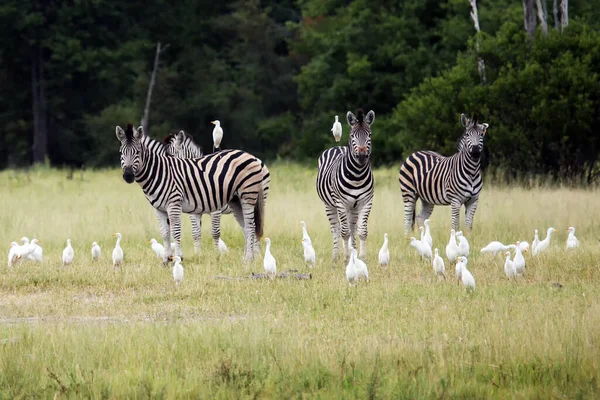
(90, 331)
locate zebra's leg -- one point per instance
(344, 229)
(363, 219)
(426, 210)
(334, 225)
(174, 211)
(248, 211)
(410, 204)
(352, 222)
(455, 209)
(196, 221)
(163, 221)
(215, 218)
(470, 208)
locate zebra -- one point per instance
(194, 186)
(439, 180)
(345, 184)
(182, 145)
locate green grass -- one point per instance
(88, 331)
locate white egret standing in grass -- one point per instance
(38, 252)
(305, 232)
(337, 129)
(524, 246)
(427, 234)
(351, 270)
(95, 251)
(117, 254)
(29, 256)
(422, 247)
(466, 276)
(463, 244)
(452, 250)
(222, 247)
(572, 241)
(68, 254)
(310, 257)
(536, 240)
(14, 254)
(438, 265)
(459, 265)
(269, 262)
(157, 248)
(177, 270)
(544, 244)
(519, 260)
(495, 247)
(217, 134)
(509, 267)
(384, 252)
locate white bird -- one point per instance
(351, 270)
(269, 261)
(384, 252)
(422, 230)
(305, 232)
(438, 265)
(544, 244)
(27, 249)
(422, 247)
(452, 250)
(14, 254)
(217, 134)
(172, 246)
(157, 248)
(467, 279)
(222, 247)
(38, 252)
(361, 267)
(495, 247)
(117, 255)
(524, 246)
(95, 251)
(25, 241)
(572, 241)
(459, 265)
(509, 267)
(536, 240)
(427, 235)
(177, 270)
(68, 254)
(337, 129)
(519, 260)
(463, 244)
(310, 256)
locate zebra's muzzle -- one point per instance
(363, 158)
(128, 175)
(475, 152)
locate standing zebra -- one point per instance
(182, 145)
(194, 186)
(439, 180)
(345, 184)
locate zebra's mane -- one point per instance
(360, 115)
(171, 136)
(129, 132)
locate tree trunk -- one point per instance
(146, 116)
(40, 126)
(564, 14)
(529, 17)
(555, 13)
(542, 15)
(480, 62)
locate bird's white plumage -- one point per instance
(384, 252)
(310, 257)
(337, 129)
(351, 270)
(544, 244)
(177, 270)
(422, 247)
(452, 250)
(509, 267)
(30, 255)
(14, 254)
(68, 254)
(519, 260)
(459, 265)
(572, 241)
(439, 269)
(269, 262)
(536, 240)
(524, 246)
(222, 247)
(96, 252)
(217, 134)
(495, 247)
(305, 232)
(157, 248)
(117, 254)
(427, 235)
(463, 244)
(466, 276)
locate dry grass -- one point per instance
(87, 331)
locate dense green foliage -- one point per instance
(276, 72)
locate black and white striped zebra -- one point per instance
(194, 186)
(345, 184)
(182, 145)
(443, 181)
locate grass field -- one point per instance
(88, 331)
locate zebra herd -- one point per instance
(176, 177)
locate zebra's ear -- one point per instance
(139, 132)
(464, 120)
(120, 133)
(370, 117)
(485, 126)
(351, 118)
(179, 137)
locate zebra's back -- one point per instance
(416, 175)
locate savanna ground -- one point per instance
(88, 331)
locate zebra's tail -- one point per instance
(259, 212)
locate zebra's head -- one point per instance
(131, 147)
(472, 140)
(360, 134)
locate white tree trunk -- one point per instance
(529, 17)
(542, 15)
(480, 62)
(564, 14)
(555, 13)
(146, 116)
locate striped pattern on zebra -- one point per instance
(345, 184)
(194, 186)
(440, 180)
(182, 145)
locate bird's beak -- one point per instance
(170, 258)
(148, 242)
(567, 229)
(556, 230)
(114, 234)
(408, 239)
(212, 122)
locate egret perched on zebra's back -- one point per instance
(440, 180)
(68, 254)
(217, 134)
(95, 251)
(337, 129)
(572, 241)
(384, 252)
(117, 255)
